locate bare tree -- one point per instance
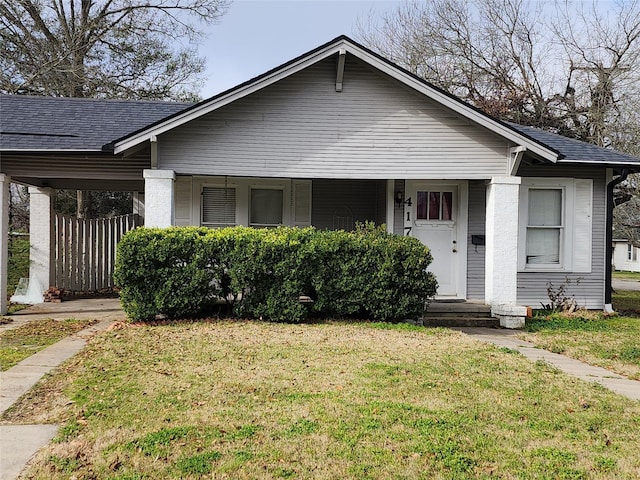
(135, 49)
(103, 48)
(568, 67)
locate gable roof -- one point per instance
(73, 124)
(56, 124)
(337, 46)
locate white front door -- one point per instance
(437, 217)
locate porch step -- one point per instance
(460, 321)
(463, 309)
(459, 314)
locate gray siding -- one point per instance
(398, 212)
(301, 127)
(532, 286)
(363, 198)
(476, 253)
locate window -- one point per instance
(266, 207)
(434, 206)
(556, 231)
(218, 206)
(629, 252)
(545, 226)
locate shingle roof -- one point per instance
(56, 123)
(573, 151)
(78, 124)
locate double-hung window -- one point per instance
(545, 226)
(555, 225)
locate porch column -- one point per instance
(158, 198)
(4, 240)
(41, 268)
(501, 251)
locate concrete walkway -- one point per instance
(18, 443)
(507, 338)
(625, 284)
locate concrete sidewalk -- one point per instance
(18, 443)
(508, 338)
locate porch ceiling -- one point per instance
(77, 171)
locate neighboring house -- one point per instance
(333, 137)
(626, 256)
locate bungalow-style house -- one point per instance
(333, 137)
(626, 256)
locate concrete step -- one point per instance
(460, 321)
(478, 310)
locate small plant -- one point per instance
(559, 298)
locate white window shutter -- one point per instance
(301, 207)
(582, 226)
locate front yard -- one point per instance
(609, 342)
(262, 400)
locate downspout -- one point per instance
(608, 289)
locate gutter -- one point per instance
(608, 289)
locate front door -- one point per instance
(436, 217)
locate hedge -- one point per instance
(182, 272)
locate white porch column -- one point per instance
(4, 240)
(41, 268)
(158, 198)
(501, 257)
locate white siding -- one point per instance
(301, 127)
(532, 286)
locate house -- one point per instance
(333, 137)
(626, 256)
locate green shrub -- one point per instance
(261, 273)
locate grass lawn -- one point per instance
(627, 275)
(248, 400)
(609, 342)
(21, 342)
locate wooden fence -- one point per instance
(85, 250)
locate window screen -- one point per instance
(266, 207)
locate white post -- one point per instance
(4, 240)
(501, 253)
(158, 198)
(41, 273)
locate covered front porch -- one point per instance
(466, 224)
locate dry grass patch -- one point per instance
(22, 342)
(258, 400)
(609, 342)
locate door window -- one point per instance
(434, 206)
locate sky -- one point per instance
(258, 35)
